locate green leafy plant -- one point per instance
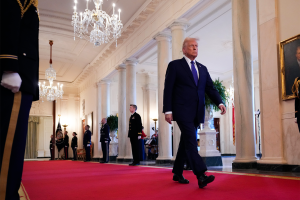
(223, 93)
(112, 122)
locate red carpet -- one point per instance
(67, 180)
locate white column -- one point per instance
(105, 98)
(98, 151)
(122, 132)
(164, 129)
(243, 84)
(130, 98)
(178, 28)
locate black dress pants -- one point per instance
(88, 153)
(135, 149)
(74, 153)
(66, 152)
(105, 150)
(16, 159)
(187, 150)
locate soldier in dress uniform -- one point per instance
(66, 143)
(87, 142)
(135, 133)
(74, 146)
(52, 141)
(19, 74)
(104, 139)
(296, 92)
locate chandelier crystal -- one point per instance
(95, 25)
(50, 92)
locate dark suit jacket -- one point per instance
(52, 141)
(66, 140)
(87, 138)
(19, 50)
(104, 133)
(135, 125)
(183, 97)
(74, 142)
(292, 71)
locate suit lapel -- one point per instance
(187, 70)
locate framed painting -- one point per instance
(289, 65)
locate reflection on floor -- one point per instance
(227, 166)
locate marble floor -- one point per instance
(227, 167)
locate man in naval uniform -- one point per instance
(87, 143)
(19, 74)
(104, 139)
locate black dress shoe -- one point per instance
(180, 179)
(203, 180)
(134, 164)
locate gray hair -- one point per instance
(189, 39)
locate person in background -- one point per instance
(52, 141)
(59, 143)
(142, 146)
(74, 145)
(66, 143)
(104, 139)
(87, 143)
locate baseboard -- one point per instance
(249, 165)
(43, 157)
(228, 154)
(278, 167)
(213, 161)
(162, 161)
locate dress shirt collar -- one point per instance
(132, 114)
(189, 60)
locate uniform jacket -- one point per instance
(74, 142)
(66, 140)
(19, 51)
(104, 133)
(87, 138)
(183, 97)
(52, 141)
(135, 125)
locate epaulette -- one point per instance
(27, 5)
(7, 56)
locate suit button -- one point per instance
(24, 54)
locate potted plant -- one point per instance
(112, 122)
(210, 106)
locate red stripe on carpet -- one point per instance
(66, 180)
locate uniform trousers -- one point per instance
(88, 153)
(74, 153)
(135, 149)
(187, 150)
(105, 150)
(12, 158)
(66, 152)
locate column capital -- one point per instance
(181, 24)
(131, 61)
(121, 66)
(162, 36)
(105, 81)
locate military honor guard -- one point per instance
(135, 133)
(66, 143)
(296, 92)
(19, 74)
(104, 139)
(87, 143)
(74, 145)
(51, 147)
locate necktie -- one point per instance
(194, 72)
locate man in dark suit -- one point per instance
(135, 133)
(104, 139)
(19, 74)
(292, 67)
(74, 146)
(186, 83)
(66, 143)
(52, 142)
(87, 142)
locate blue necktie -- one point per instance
(194, 72)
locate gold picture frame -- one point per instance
(289, 66)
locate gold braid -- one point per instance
(295, 87)
(25, 8)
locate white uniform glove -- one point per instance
(11, 81)
(296, 120)
(106, 141)
(139, 137)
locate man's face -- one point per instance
(191, 49)
(86, 128)
(298, 54)
(103, 121)
(73, 134)
(65, 132)
(131, 109)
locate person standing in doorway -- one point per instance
(87, 143)
(134, 133)
(186, 83)
(104, 139)
(74, 146)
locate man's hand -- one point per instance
(11, 81)
(169, 118)
(106, 141)
(223, 109)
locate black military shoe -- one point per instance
(203, 180)
(180, 179)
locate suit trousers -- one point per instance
(51, 152)
(74, 153)
(135, 149)
(187, 150)
(16, 159)
(87, 153)
(66, 152)
(105, 150)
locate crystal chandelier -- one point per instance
(95, 25)
(51, 92)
